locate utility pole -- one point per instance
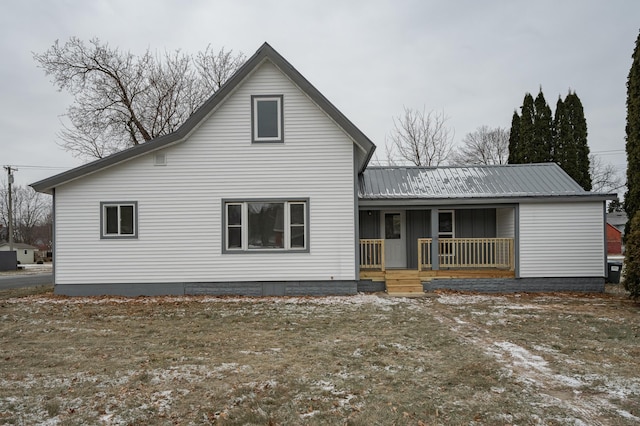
(10, 182)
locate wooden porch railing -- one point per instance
(468, 253)
(424, 253)
(452, 253)
(372, 254)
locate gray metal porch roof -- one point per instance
(467, 182)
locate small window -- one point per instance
(265, 225)
(392, 226)
(297, 224)
(234, 226)
(267, 118)
(119, 220)
(446, 224)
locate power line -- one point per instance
(26, 166)
(608, 150)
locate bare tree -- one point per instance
(216, 68)
(31, 210)
(604, 176)
(483, 146)
(121, 99)
(420, 138)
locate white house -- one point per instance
(271, 182)
(25, 253)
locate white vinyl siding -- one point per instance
(562, 240)
(180, 205)
(505, 222)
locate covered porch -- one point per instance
(458, 258)
(405, 247)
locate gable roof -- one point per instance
(614, 229)
(265, 52)
(617, 219)
(470, 182)
(19, 246)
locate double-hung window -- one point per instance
(262, 225)
(119, 219)
(266, 118)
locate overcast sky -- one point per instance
(472, 59)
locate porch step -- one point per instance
(403, 282)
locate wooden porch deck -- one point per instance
(408, 282)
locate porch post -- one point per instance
(435, 256)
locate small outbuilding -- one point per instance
(25, 252)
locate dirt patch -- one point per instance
(454, 359)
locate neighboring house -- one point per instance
(270, 182)
(618, 220)
(614, 240)
(25, 252)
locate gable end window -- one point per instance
(119, 220)
(265, 226)
(266, 118)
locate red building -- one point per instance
(614, 240)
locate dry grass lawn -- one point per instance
(550, 359)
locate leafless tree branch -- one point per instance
(483, 146)
(604, 176)
(121, 99)
(420, 138)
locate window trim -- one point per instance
(254, 119)
(245, 231)
(103, 220)
(453, 225)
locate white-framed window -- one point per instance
(119, 219)
(266, 225)
(267, 118)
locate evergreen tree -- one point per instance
(580, 148)
(632, 258)
(526, 148)
(561, 133)
(514, 140)
(614, 206)
(537, 137)
(541, 147)
(632, 197)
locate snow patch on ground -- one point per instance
(534, 370)
(520, 357)
(358, 299)
(467, 299)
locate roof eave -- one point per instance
(488, 200)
